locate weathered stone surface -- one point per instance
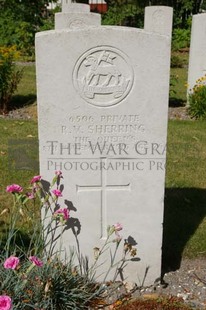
(197, 58)
(103, 106)
(76, 16)
(158, 19)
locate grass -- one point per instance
(178, 95)
(26, 131)
(185, 207)
(185, 199)
(186, 165)
(26, 93)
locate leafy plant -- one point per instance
(173, 82)
(180, 38)
(20, 20)
(123, 14)
(177, 61)
(36, 277)
(9, 75)
(50, 285)
(197, 99)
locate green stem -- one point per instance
(12, 225)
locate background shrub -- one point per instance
(10, 76)
(177, 61)
(180, 38)
(197, 99)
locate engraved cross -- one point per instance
(103, 188)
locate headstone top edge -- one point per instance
(159, 7)
(75, 8)
(198, 15)
(79, 13)
(95, 28)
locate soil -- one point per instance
(30, 112)
(179, 113)
(187, 284)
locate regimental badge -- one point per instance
(103, 76)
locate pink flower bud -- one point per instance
(36, 261)
(57, 193)
(30, 195)
(58, 173)
(118, 227)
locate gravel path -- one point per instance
(188, 283)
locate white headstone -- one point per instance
(158, 19)
(197, 57)
(102, 108)
(76, 16)
(68, 6)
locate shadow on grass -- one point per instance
(176, 102)
(20, 101)
(185, 209)
(20, 244)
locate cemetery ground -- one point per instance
(184, 239)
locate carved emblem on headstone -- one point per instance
(158, 17)
(77, 24)
(103, 76)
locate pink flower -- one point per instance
(57, 193)
(58, 173)
(30, 195)
(118, 227)
(63, 212)
(35, 179)
(14, 188)
(36, 261)
(11, 263)
(5, 302)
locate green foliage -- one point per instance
(203, 5)
(26, 10)
(197, 100)
(179, 97)
(183, 9)
(9, 76)
(177, 61)
(180, 38)
(173, 82)
(53, 286)
(51, 282)
(20, 20)
(14, 31)
(123, 14)
(48, 22)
